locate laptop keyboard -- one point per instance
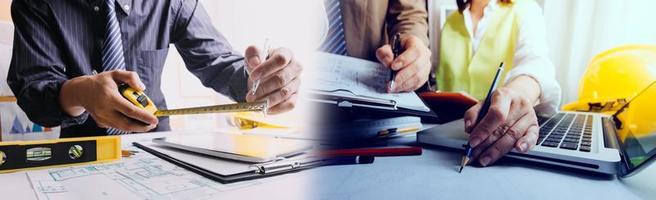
(566, 131)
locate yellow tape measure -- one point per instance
(142, 101)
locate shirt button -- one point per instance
(96, 8)
(127, 7)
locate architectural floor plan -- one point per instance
(142, 176)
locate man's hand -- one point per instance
(413, 64)
(279, 77)
(510, 123)
(99, 95)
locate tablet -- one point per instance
(245, 148)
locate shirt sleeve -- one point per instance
(206, 52)
(37, 71)
(409, 17)
(532, 58)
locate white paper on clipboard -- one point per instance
(355, 78)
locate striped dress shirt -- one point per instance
(57, 40)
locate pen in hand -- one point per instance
(481, 113)
(396, 49)
(264, 55)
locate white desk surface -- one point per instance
(432, 175)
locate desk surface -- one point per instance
(434, 176)
(429, 176)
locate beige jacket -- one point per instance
(367, 23)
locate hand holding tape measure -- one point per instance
(139, 99)
(97, 94)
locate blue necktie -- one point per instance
(335, 41)
(112, 52)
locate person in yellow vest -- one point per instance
(474, 41)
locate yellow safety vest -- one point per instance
(460, 71)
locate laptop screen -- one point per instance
(637, 134)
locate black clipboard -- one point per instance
(349, 107)
(257, 170)
(349, 87)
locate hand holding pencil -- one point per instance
(410, 65)
(505, 121)
(274, 75)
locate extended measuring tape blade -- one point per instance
(139, 99)
(227, 108)
(24, 155)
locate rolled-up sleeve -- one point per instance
(532, 58)
(206, 52)
(37, 71)
(409, 17)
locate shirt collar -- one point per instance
(123, 5)
(489, 8)
(491, 5)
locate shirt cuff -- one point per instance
(550, 94)
(40, 101)
(65, 119)
(422, 36)
(239, 82)
(72, 121)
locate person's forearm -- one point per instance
(219, 69)
(411, 17)
(526, 86)
(69, 99)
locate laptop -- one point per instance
(587, 141)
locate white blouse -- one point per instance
(531, 52)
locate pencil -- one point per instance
(265, 53)
(481, 113)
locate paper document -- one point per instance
(348, 76)
(142, 176)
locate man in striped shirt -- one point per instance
(70, 55)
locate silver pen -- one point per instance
(265, 55)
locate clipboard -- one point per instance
(345, 108)
(237, 147)
(226, 171)
(353, 101)
(348, 86)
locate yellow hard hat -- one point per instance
(638, 119)
(614, 77)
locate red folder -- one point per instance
(448, 106)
